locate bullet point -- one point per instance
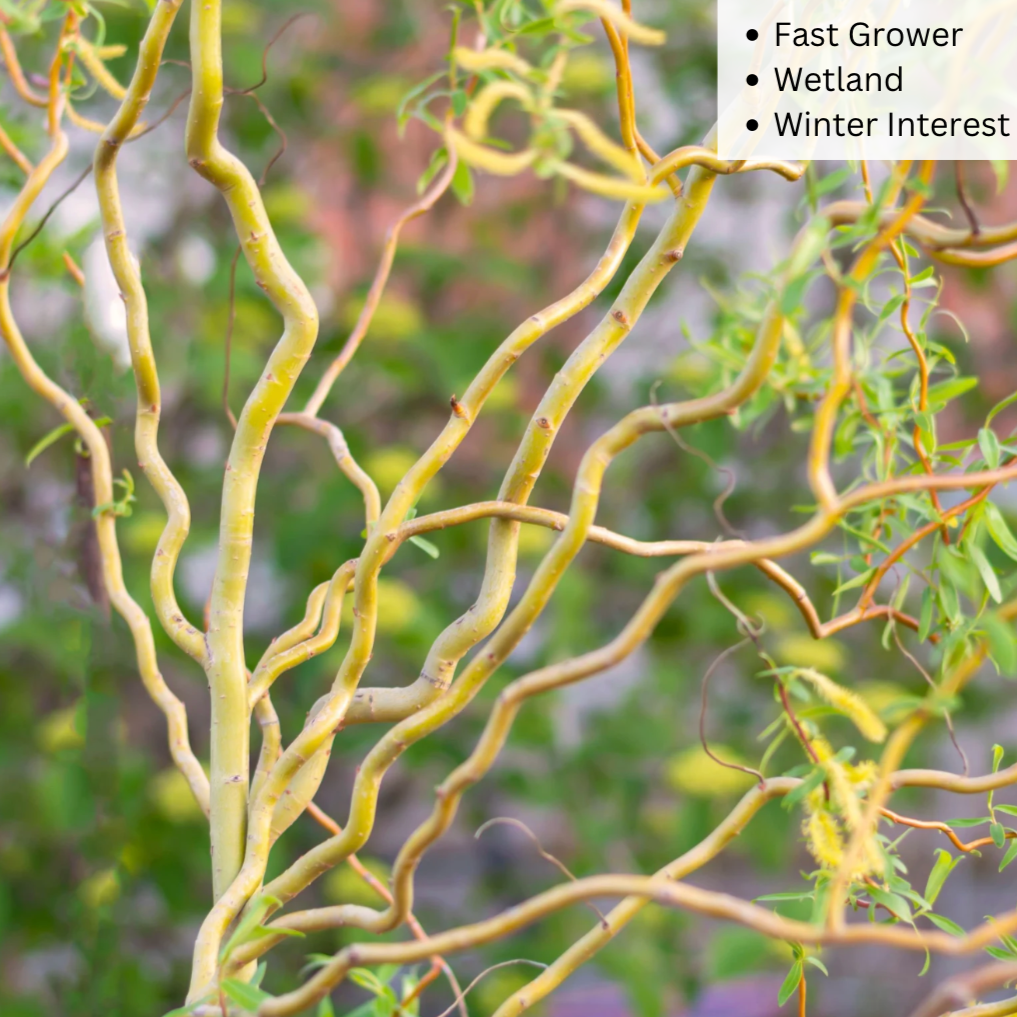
(752, 79)
(752, 125)
(752, 35)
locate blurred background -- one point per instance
(104, 867)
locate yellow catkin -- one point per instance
(610, 187)
(844, 794)
(846, 702)
(89, 56)
(822, 834)
(487, 100)
(862, 774)
(601, 145)
(842, 789)
(632, 29)
(825, 839)
(502, 164)
(489, 60)
(846, 782)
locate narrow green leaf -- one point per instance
(1010, 810)
(999, 407)
(927, 423)
(821, 901)
(250, 923)
(325, 1008)
(831, 181)
(859, 580)
(946, 924)
(794, 293)
(261, 931)
(999, 531)
(888, 630)
(438, 160)
(961, 824)
(426, 546)
(946, 391)
(817, 963)
(539, 26)
(1002, 642)
(889, 307)
(948, 599)
(1011, 854)
(462, 183)
(986, 571)
(999, 953)
(902, 592)
(989, 444)
(403, 113)
(386, 1005)
(825, 558)
(250, 997)
(808, 785)
(386, 972)
(945, 864)
(893, 902)
(46, 440)
(315, 961)
(367, 979)
(791, 982)
(998, 834)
